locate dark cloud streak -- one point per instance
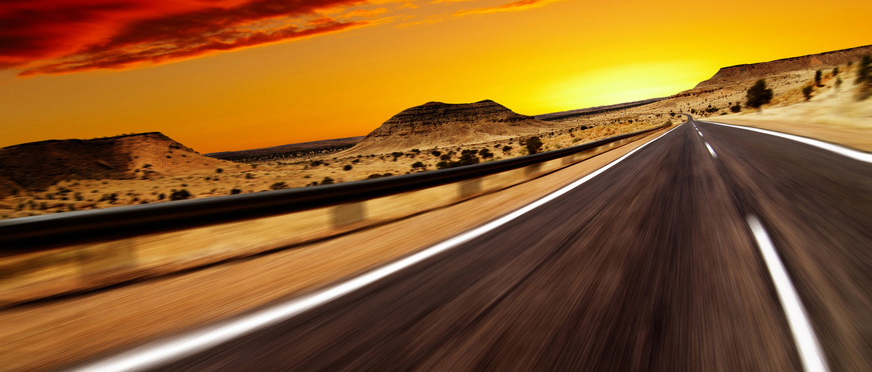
(53, 36)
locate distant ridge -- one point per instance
(289, 150)
(445, 124)
(742, 73)
(596, 110)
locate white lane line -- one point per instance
(158, 353)
(803, 335)
(711, 150)
(844, 151)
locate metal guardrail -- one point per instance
(40, 232)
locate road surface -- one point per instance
(652, 265)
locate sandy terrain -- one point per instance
(832, 114)
(226, 178)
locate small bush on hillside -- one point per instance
(807, 92)
(180, 194)
(533, 144)
(736, 108)
(347, 167)
(817, 77)
(418, 164)
(485, 154)
(838, 82)
(278, 186)
(327, 181)
(436, 153)
(835, 71)
(507, 148)
(758, 95)
(235, 191)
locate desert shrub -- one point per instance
(806, 91)
(835, 71)
(485, 154)
(347, 167)
(316, 163)
(445, 157)
(278, 186)
(418, 165)
(327, 181)
(416, 151)
(436, 153)
(219, 170)
(736, 108)
(235, 191)
(396, 154)
(249, 176)
(758, 95)
(161, 196)
(507, 148)
(838, 82)
(180, 194)
(864, 78)
(817, 78)
(443, 164)
(864, 69)
(533, 144)
(355, 161)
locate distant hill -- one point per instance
(596, 110)
(289, 151)
(444, 124)
(37, 165)
(742, 73)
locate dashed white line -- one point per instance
(711, 150)
(158, 353)
(803, 335)
(844, 151)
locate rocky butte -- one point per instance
(444, 124)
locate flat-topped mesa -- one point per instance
(743, 73)
(445, 124)
(37, 165)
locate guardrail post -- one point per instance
(347, 214)
(469, 188)
(106, 259)
(532, 169)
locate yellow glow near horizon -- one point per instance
(554, 56)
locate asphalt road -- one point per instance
(650, 266)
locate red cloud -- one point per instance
(58, 36)
(508, 7)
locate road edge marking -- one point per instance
(841, 150)
(158, 353)
(806, 341)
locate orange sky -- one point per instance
(236, 74)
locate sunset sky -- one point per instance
(222, 75)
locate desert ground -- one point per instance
(215, 177)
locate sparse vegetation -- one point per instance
(278, 186)
(533, 145)
(327, 181)
(180, 194)
(736, 107)
(347, 167)
(235, 191)
(758, 95)
(817, 79)
(806, 92)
